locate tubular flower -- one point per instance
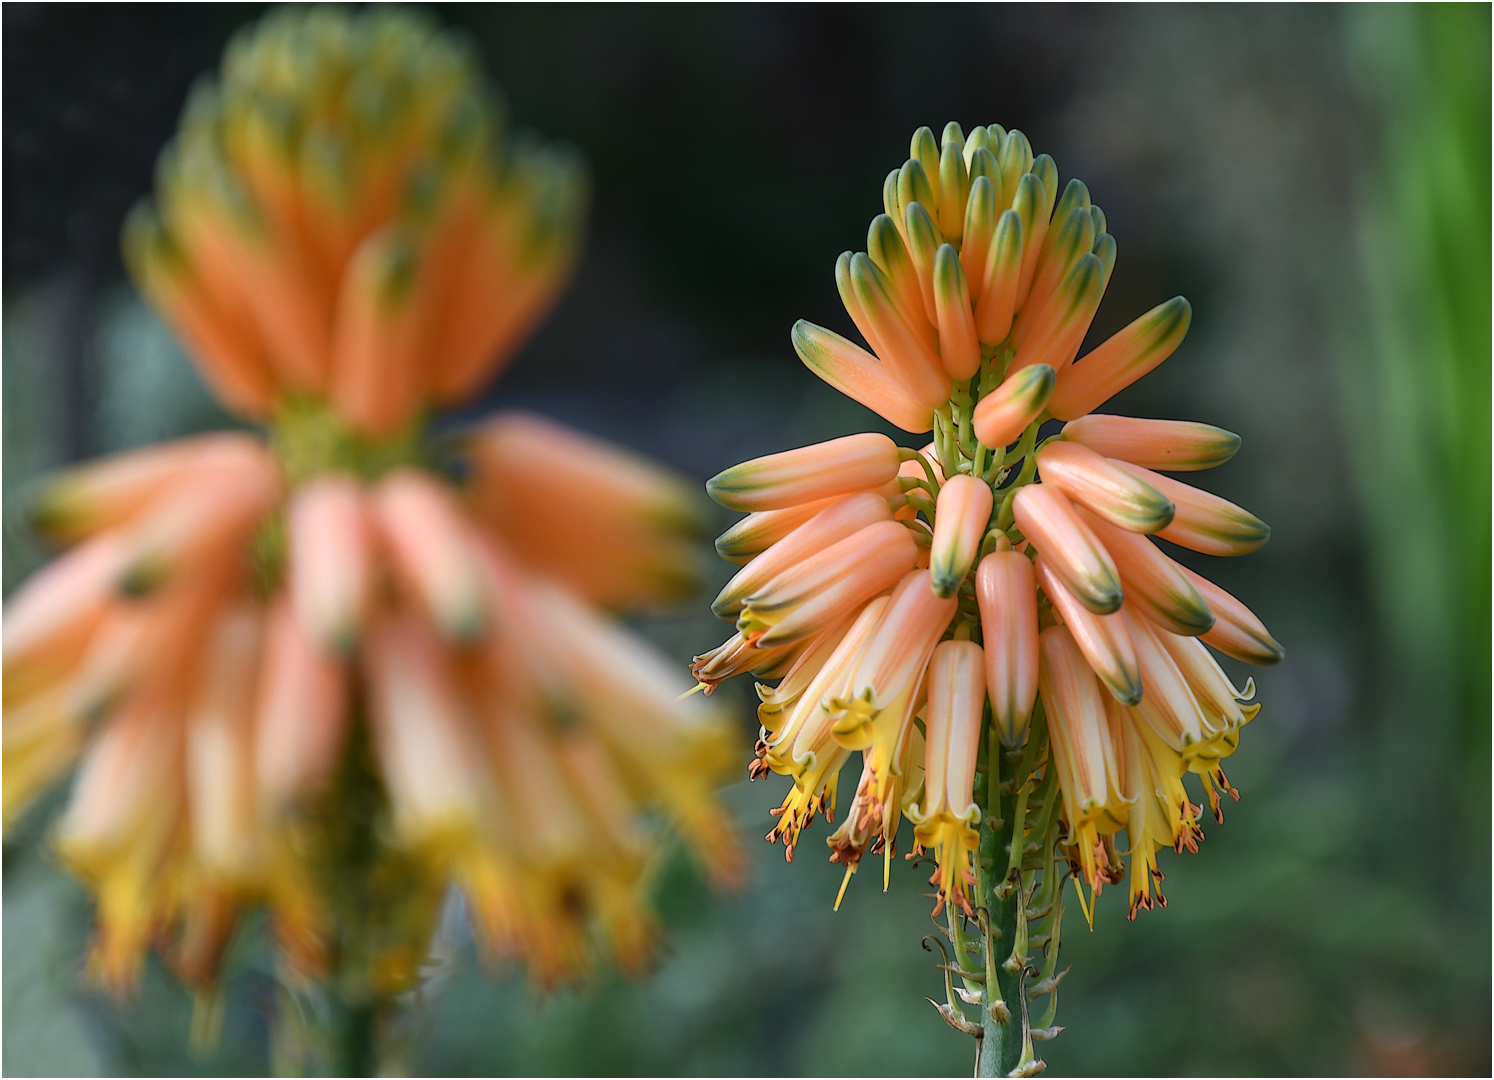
(891, 590)
(311, 670)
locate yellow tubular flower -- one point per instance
(322, 675)
(1025, 574)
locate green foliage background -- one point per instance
(1316, 180)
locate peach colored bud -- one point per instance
(841, 519)
(923, 246)
(885, 248)
(498, 291)
(329, 559)
(1073, 238)
(1120, 360)
(1204, 522)
(1032, 204)
(838, 467)
(301, 712)
(982, 212)
(1169, 445)
(1003, 414)
(1107, 489)
(1083, 751)
(50, 619)
(273, 282)
(198, 523)
(954, 191)
(606, 522)
(859, 375)
(1006, 591)
(1059, 327)
(1000, 279)
(957, 691)
(218, 336)
(221, 792)
(378, 335)
(1104, 639)
(425, 740)
(960, 519)
(959, 348)
(143, 643)
(912, 360)
(1154, 583)
(810, 596)
(1236, 632)
(1070, 547)
(433, 551)
(528, 459)
(113, 490)
(756, 533)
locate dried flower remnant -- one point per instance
(1025, 672)
(307, 668)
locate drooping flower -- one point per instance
(1024, 574)
(315, 670)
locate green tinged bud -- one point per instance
(925, 151)
(913, 184)
(1015, 158)
(954, 190)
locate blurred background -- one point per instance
(1314, 179)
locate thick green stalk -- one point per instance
(1001, 1011)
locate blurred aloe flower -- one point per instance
(305, 666)
(1024, 671)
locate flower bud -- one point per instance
(1204, 522)
(959, 349)
(1104, 639)
(757, 532)
(1169, 445)
(329, 560)
(1069, 547)
(1000, 279)
(843, 518)
(837, 467)
(859, 375)
(961, 515)
(1006, 591)
(1236, 631)
(1154, 583)
(1108, 489)
(1121, 359)
(1003, 414)
(808, 597)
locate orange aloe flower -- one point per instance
(1026, 574)
(303, 666)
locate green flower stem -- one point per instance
(1013, 898)
(1001, 1005)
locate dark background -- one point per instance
(1277, 165)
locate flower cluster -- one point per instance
(901, 597)
(314, 670)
